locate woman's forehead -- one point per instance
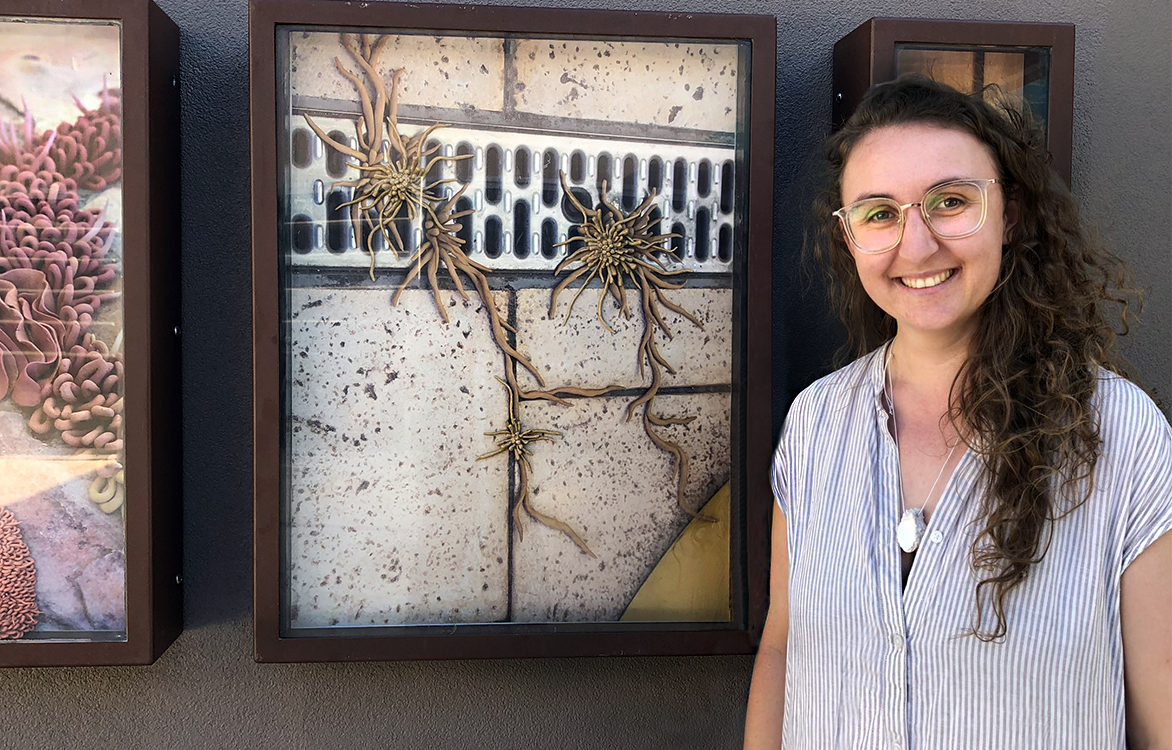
(902, 161)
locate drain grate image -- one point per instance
(520, 208)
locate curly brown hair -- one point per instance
(1024, 394)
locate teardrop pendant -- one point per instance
(910, 530)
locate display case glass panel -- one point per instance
(63, 541)
(509, 281)
(1019, 76)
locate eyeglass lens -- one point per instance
(952, 210)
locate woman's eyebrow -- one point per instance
(889, 196)
(869, 196)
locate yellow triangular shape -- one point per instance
(690, 582)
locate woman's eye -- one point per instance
(947, 203)
(880, 215)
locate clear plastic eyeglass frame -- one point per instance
(981, 185)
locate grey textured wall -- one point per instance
(207, 692)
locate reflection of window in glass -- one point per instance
(1021, 73)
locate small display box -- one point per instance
(89, 351)
(1031, 64)
(506, 266)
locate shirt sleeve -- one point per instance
(785, 457)
(1149, 512)
(778, 478)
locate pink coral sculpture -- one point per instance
(18, 581)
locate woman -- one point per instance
(972, 548)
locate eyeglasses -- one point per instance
(951, 210)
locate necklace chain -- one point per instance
(889, 387)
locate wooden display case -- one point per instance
(90, 443)
(457, 456)
(1031, 63)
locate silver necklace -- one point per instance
(910, 530)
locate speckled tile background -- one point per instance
(680, 85)
(581, 352)
(450, 71)
(392, 519)
(683, 85)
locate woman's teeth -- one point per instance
(929, 281)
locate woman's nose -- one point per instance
(918, 242)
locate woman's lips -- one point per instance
(926, 282)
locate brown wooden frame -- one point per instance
(151, 243)
(866, 56)
(506, 640)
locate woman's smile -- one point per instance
(926, 281)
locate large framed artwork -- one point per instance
(89, 352)
(511, 330)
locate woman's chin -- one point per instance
(942, 325)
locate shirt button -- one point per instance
(897, 640)
(936, 537)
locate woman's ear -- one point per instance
(1012, 216)
(846, 240)
(846, 237)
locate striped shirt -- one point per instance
(872, 664)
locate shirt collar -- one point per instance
(878, 372)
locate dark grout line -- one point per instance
(509, 97)
(388, 279)
(673, 390)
